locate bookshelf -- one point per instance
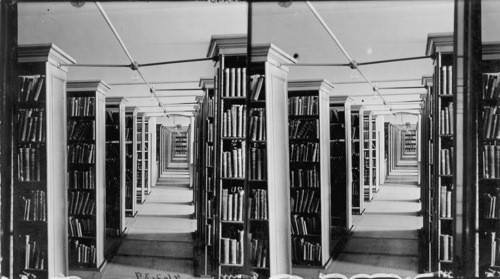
(357, 158)
(410, 142)
(131, 161)
(488, 188)
(440, 46)
(369, 150)
(208, 197)
(427, 174)
(139, 148)
(310, 182)
(342, 155)
(253, 125)
(146, 155)
(39, 179)
(115, 165)
(86, 126)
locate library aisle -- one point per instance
(158, 240)
(385, 238)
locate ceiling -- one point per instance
(164, 31)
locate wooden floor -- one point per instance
(385, 237)
(158, 241)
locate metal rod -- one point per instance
(179, 89)
(323, 23)
(403, 87)
(317, 65)
(392, 60)
(176, 62)
(132, 61)
(97, 65)
(352, 63)
(154, 82)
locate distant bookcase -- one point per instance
(131, 161)
(310, 184)
(369, 150)
(341, 153)
(140, 163)
(358, 163)
(146, 156)
(86, 173)
(410, 142)
(487, 203)
(207, 160)
(440, 46)
(427, 174)
(252, 164)
(115, 165)
(39, 172)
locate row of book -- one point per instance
(305, 250)
(491, 161)
(305, 201)
(234, 121)
(446, 80)
(232, 204)
(304, 178)
(81, 203)
(491, 89)
(209, 183)
(81, 130)
(258, 169)
(491, 207)
(495, 249)
(211, 107)
(304, 225)
(35, 206)
(446, 120)
(112, 117)
(209, 155)
(81, 106)
(29, 163)
(31, 125)
(303, 105)
(80, 227)
(446, 247)
(232, 249)
(30, 88)
(445, 202)
(233, 162)
(491, 124)
(305, 152)
(82, 153)
(256, 85)
(258, 205)
(82, 253)
(209, 233)
(446, 167)
(82, 179)
(234, 82)
(210, 131)
(209, 209)
(303, 128)
(337, 116)
(257, 124)
(259, 253)
(35, 256)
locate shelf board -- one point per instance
(234, 98)
(232, 222)
(304, 140)
(313, 116)
(231, 265)
(259, 220)
(233, 178)
(446, 218)
(446, 95)
(233, 138)
(446, 135)
(82, 237)
(306, 235)
(446, 175)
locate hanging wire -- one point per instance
(352, 62)
(134, 65)
(177, 61)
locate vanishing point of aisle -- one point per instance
(385, 238)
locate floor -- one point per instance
(158, 242)
(385, 238)
(159, 239)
